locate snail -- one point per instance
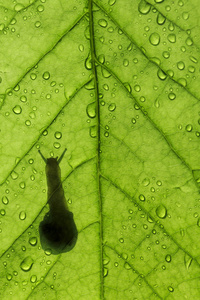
(57, 230)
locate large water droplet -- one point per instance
(26, 264)
(17, 109)
(22, 215)
(144, 7)
(33, 241)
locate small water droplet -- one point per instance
(2, 212)
(112, 107)
(189, 127)
(93, 131)
(46, 75)
(33, 241)
(17, 109)
(33, 278)
(154, 39)
(27, 264)
(161, 211)
(5, 200)
(103, 23)
(91, 110)
(168, 258)
(171, 38)
(22, 215)
(142, 197)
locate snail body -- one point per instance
(57, 230)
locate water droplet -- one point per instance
(146, 181)
(111, 2)
(171, 38)
(103, 23)
(22, 215)
(9, 277)
(128, 87)
(112, 107)
(37, 24)
(168, 258)
(144, 7)
(125, 62)
(154, 39)
(105, 73)
(22, 185)
(189, 127)
(93, 131)
(161, 211)
(27, 264)
(2, 212)
(137, 88)
(191, 69)
(189, 41)
(58, 135)
(127, 266)
(46, 75)
(172, 96)
(142, 197)
(121, 240)
(170, 288)
(19, 7)
(48, 251)
(23, 99)
(105, 272)
(161, 75)
(91, 110)
(33, 278)
(101, 58)
(166, 54)
(187, 260)
(40, 8)
(181, 65)
(17, 109)
(161, 19)
(133, 120)
(5, 200)
(182, 81)
(33, 241)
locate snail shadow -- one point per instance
(58, 232)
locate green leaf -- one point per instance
(117, 84)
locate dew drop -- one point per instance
(105, 272)
(9, 277)
(189, 127)
(160, 19)
(40, 8)
(168, 258)
(27, 264)
(111, 2)
(171, 38)
(112, 107)
(172, 96)
(58, 135)
(142, 197)
(46, 75)
(5, 200)
(146, 181)
(154, 39)
(91, 110)
(161, 211)
(93, 131)
(2, 212)
(103, 23)
(17, 109)
(22, 215)
(33, 278)
(23, 99)
(121, 240)
(57, 145)
(181, 65)
(33, 241)
(144, 7)
(161, 75)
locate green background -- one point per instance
(116, 82)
